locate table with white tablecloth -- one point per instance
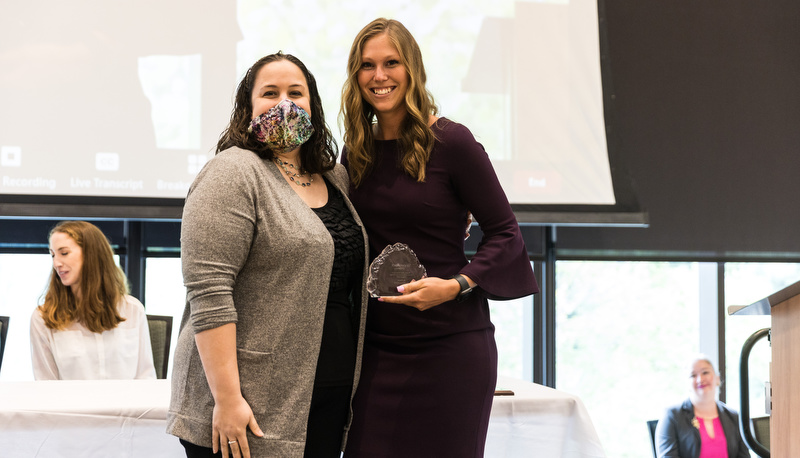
(126, 419)
(86, 418)
(538, 421)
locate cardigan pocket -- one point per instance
(255, 370)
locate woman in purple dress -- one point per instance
(430, 359)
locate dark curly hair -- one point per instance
(317, 155)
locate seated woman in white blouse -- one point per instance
(88, 326)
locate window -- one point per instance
(513, 321)
(165, 295)
(623, 333)
(746, 283)
(23, 279)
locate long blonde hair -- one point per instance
(102, 284)
(416, 136)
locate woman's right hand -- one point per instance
(232, 414)
(229, 427)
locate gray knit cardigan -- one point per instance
(254, 254)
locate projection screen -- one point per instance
(126, 99)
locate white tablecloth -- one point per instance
(126, 419)
(71, 419)
(540, 422)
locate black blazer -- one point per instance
(676, 437)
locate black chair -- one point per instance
(761, 430)
(160, 339)
(651, 427)
(3, 334)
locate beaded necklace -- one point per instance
(294, 176)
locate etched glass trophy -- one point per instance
(396, 265)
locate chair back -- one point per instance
(3, 334)
(160, 339)
(651, 428)
(761, 430)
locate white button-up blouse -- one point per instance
(75, 353)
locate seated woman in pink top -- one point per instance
(88, 326)
(700, 427)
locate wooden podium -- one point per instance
(784, 306)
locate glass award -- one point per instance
(396, 265)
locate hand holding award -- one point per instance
(396, 265)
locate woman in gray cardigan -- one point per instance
(274, 260)
(700, 422)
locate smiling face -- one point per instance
(383, 78)
(67, 260)
(277, 81)
(704, 380)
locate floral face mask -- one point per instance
(283, 128)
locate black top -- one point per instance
(678, 437)
(337, 355)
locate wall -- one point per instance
(708, 108)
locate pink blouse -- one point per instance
(716, 447)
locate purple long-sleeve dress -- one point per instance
(428, 377)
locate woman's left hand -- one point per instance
(426, 293)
